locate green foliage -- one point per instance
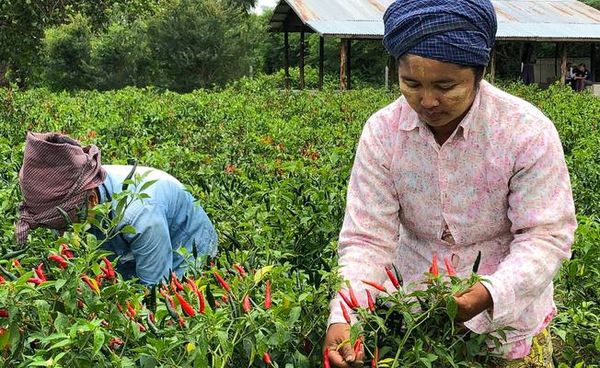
(271, 169)
(24, 22)
(121, 56)
(67, 53)
(183, 45)
(198, 44)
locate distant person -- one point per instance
(528, 61)
(582, 76)
(58, 172)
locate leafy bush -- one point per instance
(67, 53)
(270, 167)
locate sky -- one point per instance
(265, 3)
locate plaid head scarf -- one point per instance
(57, 172)
(454, 31)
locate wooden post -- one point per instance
(563, 62)
(286, 59)
(302, 52)
(349, 63)
(556, 59)
(593, 60)
(343, 65)
(321, 61)
(493, 66)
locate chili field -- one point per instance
(270, 168)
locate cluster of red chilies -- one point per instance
(176, 287)
(351, 301)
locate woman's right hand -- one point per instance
(345, 357)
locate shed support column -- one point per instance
(286, 59)
(563, 62)
(302, 55)
(593, 61)
(344, 65)
(321, 61)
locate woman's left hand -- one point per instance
(472, 301)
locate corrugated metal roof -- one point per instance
(542, 20)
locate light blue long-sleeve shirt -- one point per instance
(167, 220)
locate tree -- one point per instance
(201, 43)
(23, 22)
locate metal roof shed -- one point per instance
(558, 21)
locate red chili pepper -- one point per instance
(392, 277)
(346, 299)
(358, 345)
(66, 252)
(141, 327)
(449, 267)
(16, 263)
(246, 306)
(175, 284)
(3, 313)
(434, 267)
(109, 271)
(375, 285)
(91, 283)
(99, 279)
(345, 313)
(267, 359)
(35, 280)
(163, 292)
(222, 282)
(370, 302)
(240, 269)
(62, 263)
(194, 287)
(2, 280)
(120, 307)
(39, 271)
(185, 306)
(225, 298)
(268, 294)
(326, 363)
(201, 302)
(115, 343)
(192, 284)
(375, 358)
(131, 312)
(353, 299)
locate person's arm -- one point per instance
(151, 244)
(369, 234)
(543, 220)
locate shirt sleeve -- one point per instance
(542, 213)
(369, 235)
(151, 245)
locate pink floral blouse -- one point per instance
(498, 185)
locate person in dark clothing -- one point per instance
(581, 76)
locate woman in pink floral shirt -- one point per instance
(455, 167)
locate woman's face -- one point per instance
(441, 93)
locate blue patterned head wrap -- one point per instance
(454, 31)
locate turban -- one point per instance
(56, 173)
(453, 31)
